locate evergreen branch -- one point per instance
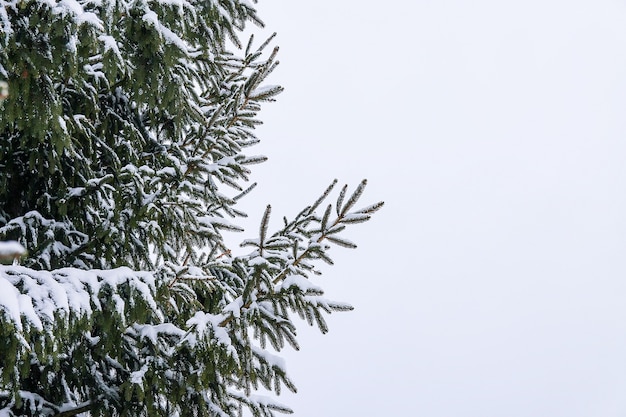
(323, 197)
(342, 194)
(353, 198)
(75, 411)
(325, 233)
(263, 228)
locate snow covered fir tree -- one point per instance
(124, 143)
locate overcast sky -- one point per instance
(493, 282)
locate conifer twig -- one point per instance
(75, 411)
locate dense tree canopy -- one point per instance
(123, 147)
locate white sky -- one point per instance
(493, 282)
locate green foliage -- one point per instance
(122, 149)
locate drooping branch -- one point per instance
(77, 410)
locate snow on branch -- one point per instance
(39, 299)
(11, 250)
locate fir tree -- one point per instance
(123, 145)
